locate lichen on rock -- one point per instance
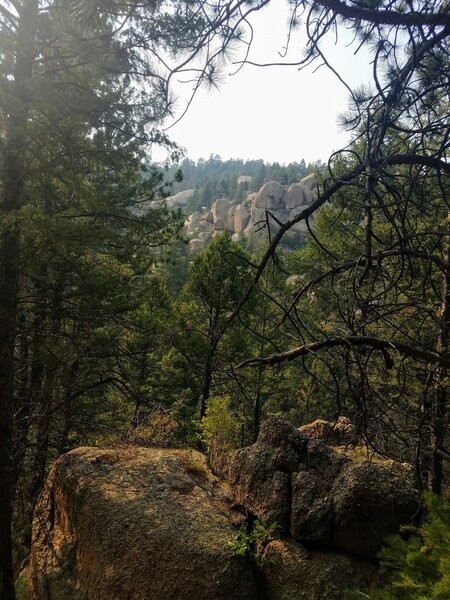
(135, 523)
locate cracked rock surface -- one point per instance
(318, 495)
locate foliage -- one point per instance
(220, 429)
(157, 430)
(100, 322)
(252, 543)
(417, 562)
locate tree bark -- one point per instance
(206, 387)
(11, 201)
(439, 422)
(45, 406)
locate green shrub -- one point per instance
(157, 430)
(253, 543)
(220, 429)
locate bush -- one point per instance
(253, 543)
(220, 429)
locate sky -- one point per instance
(279, 114)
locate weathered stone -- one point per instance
(181, 199)
(204, 236)
(257, 216)
(241, 218)
(244, 179)
(248, 201)
(206, 225)
(292, 572)
(370, 503)
(320, 495)
(135, 523)
(294, 196)
(309, 182)
(280, 215)
(220, 209)
(229, 223)
(260, 475)
(312, 512)
(192, 222)
(270, 196)
(197, 243)
(246, 217)
(339, 433)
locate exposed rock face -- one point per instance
(318, 495)
(241, 218)
(192, 222)
(220, 209)
(294, 573)
(270, 196)
(340, 433)
(295, 196)
(246, 218)
(134, 523)
(180, 200)
(141, 523)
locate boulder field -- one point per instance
(247, 217)
(155, 524)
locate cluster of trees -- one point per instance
(377, 269)
(82, 91)
(216, 178)
(104, 317)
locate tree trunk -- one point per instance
(45, 407)
(11, 201)
(439, 423)
(29, 397)
(21, 410)
(206, 387)
(68, 407)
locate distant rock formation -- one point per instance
(180, 200)
(245, 218)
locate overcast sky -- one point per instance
(274, 113)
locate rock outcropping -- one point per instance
(245, 218)
(155, 524)
(180, 200)
(340, 433)
(136, 524)
(317, 495)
